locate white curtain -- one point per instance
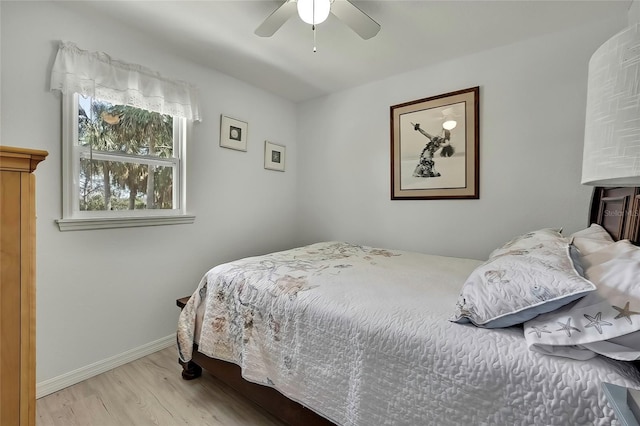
(98, 75)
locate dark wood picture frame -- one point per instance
(433, 160)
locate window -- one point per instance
(123, 166)
(129, 158)
(124, 142)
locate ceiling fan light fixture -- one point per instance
(314, 11)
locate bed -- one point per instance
(337, 333)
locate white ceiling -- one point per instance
(414, 34)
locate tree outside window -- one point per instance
(126, 157)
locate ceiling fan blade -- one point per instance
(274, 21)
(356, 19)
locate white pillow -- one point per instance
(528, 240)
(591, 239)
(606, 321)
(528, 276)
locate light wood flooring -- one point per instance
(149, 391)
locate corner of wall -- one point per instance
(634, 12)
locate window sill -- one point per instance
(122, 222)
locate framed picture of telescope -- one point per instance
(435, 147)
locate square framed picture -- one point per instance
(233, 133)
(274, 156)
(435, 147)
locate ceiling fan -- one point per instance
(316, 11)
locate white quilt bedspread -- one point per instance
(361, 336)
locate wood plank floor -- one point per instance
(149, 391)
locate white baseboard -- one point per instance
(55, 384)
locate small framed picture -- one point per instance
(274, 156)
(233, 133)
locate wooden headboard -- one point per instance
(618, 211)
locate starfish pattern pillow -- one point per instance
(606, 321)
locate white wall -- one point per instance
(101, 293)
(532, 108)
(634, 12)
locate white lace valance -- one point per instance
(98, 75)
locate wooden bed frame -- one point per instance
(616, 209)
(275, 403)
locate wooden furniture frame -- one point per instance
(616, 209)
(17, 285)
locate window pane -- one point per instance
(162, 188)
(119, 128)
(114, 185)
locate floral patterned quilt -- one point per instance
(360, 335)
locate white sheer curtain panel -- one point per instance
(98, 75)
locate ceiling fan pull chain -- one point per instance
(313, 26)
(314, 39)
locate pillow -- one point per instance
(605, 322)
(528, 276)
(591, 239)
(529, 240)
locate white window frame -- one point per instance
(74, 219)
